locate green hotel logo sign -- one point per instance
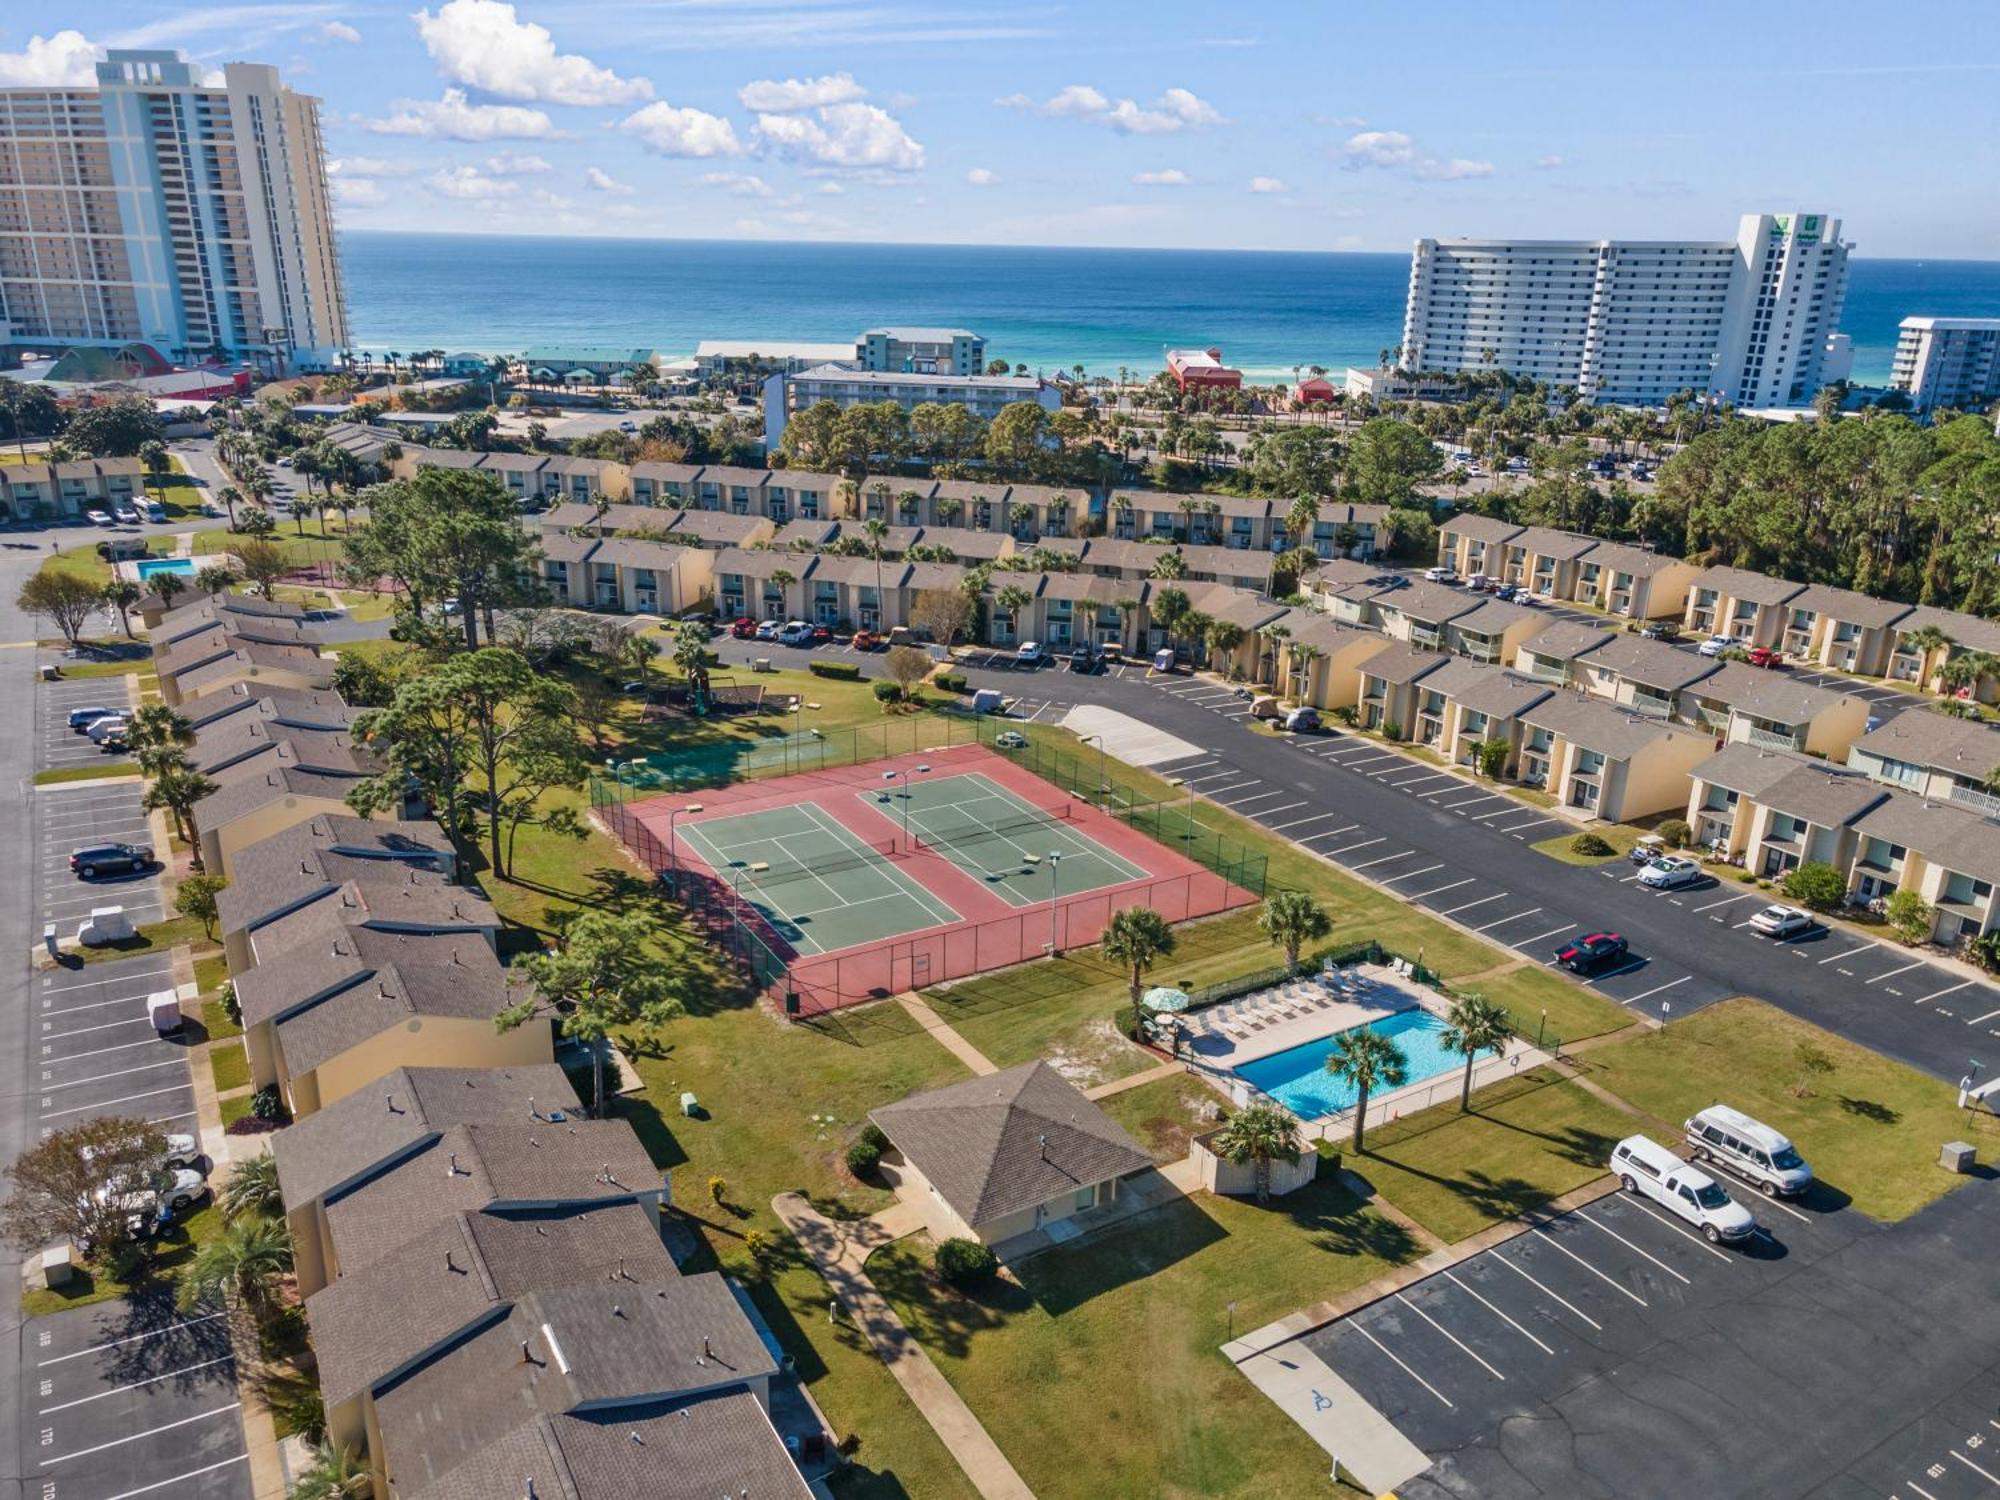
(1808, 230)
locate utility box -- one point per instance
(56, 1266)
(106, 924)
(1958, 1156)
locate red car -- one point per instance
(822, 634)
(1766, 656)
(744, 628)
(1590, 951)
(866, 640)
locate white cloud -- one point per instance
(738, 184)
(369, 166)
(769, 96)
(518, 164)
(358, 192)
(830, 189)
(981, 177)
(1173, 111)
(668, 131)
(849, 137)
(337, 31)
(1268, 185)
(1170, 177)
(452, 118)
(600, 181)
(470, 183)
(67, 58)
(1392, 150)
(480, 43)
(1550, 163)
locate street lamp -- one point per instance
(1187, 835)
(904, 775)
(673, 854)
(1055, 896)
(1100, 759)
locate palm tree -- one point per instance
(121, 594)
(157, 733)
(1258, 1135)
(241, 1269)
(1127, 607)
(1368, 1060)
(230, 496)
(1300, 518)
(167, 585)
(1223, 637)
(1474, 1025)
(1137, 938)
(1964, 672)
(1302, 656)
(1291, 919)
(637, 651)
(214, 578)
(875, 528)
(1011, 600)
(1189, 506)
(252, 1190)
(335, 1474)
(782, 579)
(178, 791)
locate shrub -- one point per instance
(950, 682)
(1391, 730)
(231, 1006)
(1676, 832)
(888, 692)
(1747, 877)
(1591, 845)
(1911, 915)
(872, 1133)
(966, 1263)
(1346, 715)
(863, 1157)
(268, 1104)
(1816, 886)
(839, 671)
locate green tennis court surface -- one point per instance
(1001, 839)
(822, 886)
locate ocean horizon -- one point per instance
(1050, 308)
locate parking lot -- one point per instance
(57, 746)
(70, 817)
(1830, 1357)
(129, 1399)
(97, 1052)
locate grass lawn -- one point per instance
(1617, 835)
(1101, 1374)
(1573, 1011)
(86, 773)
(1525, 1140)
(171, 1257)
(234, 1109)
(1162, 1115)
(231, 1066)
(1871, 1128)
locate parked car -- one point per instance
(1085, 658)
(1783, 922)
(1028, 654)
(1506, 593)
(1479, 583)
(1440, 575)
(1301, 720)
(173, 1187)
(155, 511)
(866, 640)
(1650, 1170)
(1011, 739)
(1766, 656)
(127, 515)
(1648, 849)
(743, 628)
(81, 719)
(1750, 1148)
(88, 861)
(1670, 873)
(821, 634)
(97, 517)
(767, 630)
(1591, 950)
(1715, 645)
(182, 1150)
(796, 633)
(98, 730)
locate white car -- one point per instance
(1782, 922)
(171, 1187)
(101, 729)
(1011, 739)
(127, 515)
(1647, 1169)
(1440, 575)
(182, 1150)
(1715, 645)
(1028, 654)
(796, 633)
(1667, 873)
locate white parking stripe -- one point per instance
(1950, 989)
(1412, 874)
(1301, 822)
(135, 1338)
(1217, 791)
(1498, 1313)
(1328, 833)
(1848, 954)
(1440, 889)
(147, 1489)
(84, 1109)
(1271, 812)
(101, 1051)
(1987, 1017)
(1509, 808)
(1336, 853)
(126, 977)
(1615, 1285)
(1727, 901)
(1403, 1367)
(1448, 1334)
(1455, 806)
(1658, 987)
(1386, 859)
(1246, 801)
(1877, 979)
(1502, 922)
(137, 1384)
(1639, 1249)
(1470, 904)
(77, 1083)
(1922, 1493)
(1501, 1259)
(133, 1437)
(1523, 942)
(1989, 1478)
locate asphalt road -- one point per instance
(1611, 1352)
(1463, 851)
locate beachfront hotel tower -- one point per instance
(160, 209)
(1753, 320)
(1947, 361)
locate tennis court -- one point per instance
(820, 886)
(1022, 853)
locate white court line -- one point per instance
(133, 1338)
(133, 1437)
(83, 1109)
(1448, 1334)
(1950, 989)
(1505, 920)
(147, 1489)
(1848, 954)
(1523, 942)
(1470, 904)
(1498, 1313)
(1438, 889)
(1658, 987)
(1550, 1291)
(1615, 1285)
(1385, 859)
(1299, 822)
(1640, 1249)
(137, 1384)
(1336, 853)
(1989, 1478)
(1403, 1367)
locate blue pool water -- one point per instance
(1297, 1077)
(154, 566)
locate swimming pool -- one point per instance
(152, 567)
(1297, 1077)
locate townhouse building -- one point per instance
(1421, 613)
(46, 491)
(657, 483)
(1464, 706)
(1841, 630)
(1315, 659)
(1935, 756)
(1203, 520)
(1600, 759)
(1544, 561)
(1388, 688)
(1745, 607)
(1632, 582)
(1556, 654)
(1475, 545)
(1928, 638)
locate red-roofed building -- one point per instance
(1202, 369)
(1314, 391)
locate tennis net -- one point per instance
(789, 867)
(977, 830)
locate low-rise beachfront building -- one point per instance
(759, 585)
(1202, 370)
(851, 591)
(1926, 641)
(1934, 755)
(1463, 706)
(1389, 679)
(1557, 654)
(1807, 815)
(1035, 512)
(732, 490)
(637, 575)
(1003, 1156)
(760, 356)
(1723, 792)
(1748, 608)
(1774, 711)
(1632, 582)
(985, 396)
(1646, 676)
(1203, 520)
(546, 362)
(1599, 759)
(1841, 630)
(919, 350)
(1470, 544)
(1544, 561)
(1064, 610)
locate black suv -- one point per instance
(93, 860)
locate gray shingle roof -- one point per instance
(1566, 640)
(1957, 839)
(1823, 796)
(1432, 602)
(1493, 617)
(1652, 663)
(210, 621)
(1741, 583)
(1546, 541)
(1923, 737)
(718, 528)
(1398, 663)
(1749, 770)
(251, 785)
(253, 659)
(1596, 725)
(995, 1145)
(365, 1003)
(1617, 557)
(243, 737)
(1480, 528)
(233, 605)
(1764, 694)
(1487, 690)
(275, 702)
(344, 1141)
(1970, 632)
(1846, 605)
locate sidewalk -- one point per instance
(944, 1033)
(840, 1253)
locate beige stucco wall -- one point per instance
(286, 677)
(420, 1042)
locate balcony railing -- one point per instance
(1652, 708)
(1770, 739)
(1983, 803)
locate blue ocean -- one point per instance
(1047, 308)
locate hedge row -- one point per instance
(840, 671)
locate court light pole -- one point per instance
(1101, 788)
(1055, 900)
(673, 853)
(904, 777)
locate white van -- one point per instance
(1648, 1168)
(1749, 1148)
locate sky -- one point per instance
(1302, 126)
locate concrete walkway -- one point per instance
(840, 1253)
(947, 1036)
(1135, 1080)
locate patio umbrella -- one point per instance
(1162, 998)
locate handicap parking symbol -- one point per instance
(1321, 1403)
